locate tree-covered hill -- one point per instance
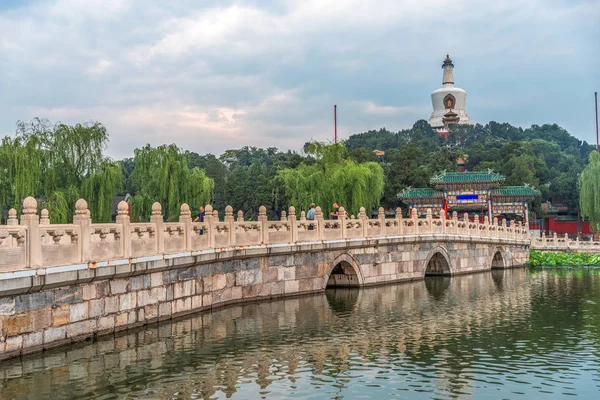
(58, 163)
(546, 157)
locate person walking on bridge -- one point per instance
(336, 211)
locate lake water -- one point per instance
(500, 335)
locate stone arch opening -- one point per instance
(437, 265)
(344, 272)
(497, 260)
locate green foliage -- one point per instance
(546, 259)
(57, 164)
(100, 188)
(589, 191)
(334, 178)
(162, 174)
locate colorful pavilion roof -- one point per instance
(467, 177)
(420, 193)
(515, 191)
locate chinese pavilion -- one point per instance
(471, 192)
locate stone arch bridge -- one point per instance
(61, 283)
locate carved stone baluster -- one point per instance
(157, 219)
(342, 219)
(230, 220)
(45, 219)
(381, 217)
(283, 216)
(124, 220)
(262, 218)
(12, 217)
(293, 223)
(208, 219)
(240, 216)
(319, 220)
(429, 219)
(30, 219)
(399, 221)
(442, 222)
(415, 219)
(185, 217)
(364, 221)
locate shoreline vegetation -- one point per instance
(541, 259)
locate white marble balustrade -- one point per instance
(34, 242)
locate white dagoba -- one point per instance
(448, 99)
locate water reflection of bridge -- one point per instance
(325, 335)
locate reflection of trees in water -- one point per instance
(432, 327)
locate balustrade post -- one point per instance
(208, 220)
(125, 221)
(302, 216)
(554, 239)
(185, 217)
(319, 219)
(364, 221)
(381, 217)
(400, 230)
(486, 225)
(283, 216)
(262, 217)
(443, 222)
(45, 219)
(230, 221)
(84, 220)
(429, 219)
(342, 219)
(455, 222)
(240, 216)
(293, 223)
(30, 219)
(157, 219)
(12, 217)
(415, 219)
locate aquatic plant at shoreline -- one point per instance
(548, 259)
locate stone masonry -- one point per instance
(157, 271)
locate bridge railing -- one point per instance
(34, 242)
(556, 242)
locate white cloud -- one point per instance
(231, 73)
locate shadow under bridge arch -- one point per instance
(344, 271)
(438, 263)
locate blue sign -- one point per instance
(467, 197)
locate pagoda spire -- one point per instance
(448, 79)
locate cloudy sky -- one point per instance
(215, 75)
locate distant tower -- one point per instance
(448, 100)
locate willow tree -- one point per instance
(333, 178)
(100, 189)
(589, 191)
(162, 174)
(22, 172)
(58, 163)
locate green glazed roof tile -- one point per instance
(420, 193)
(467, 177)
(526, 191)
